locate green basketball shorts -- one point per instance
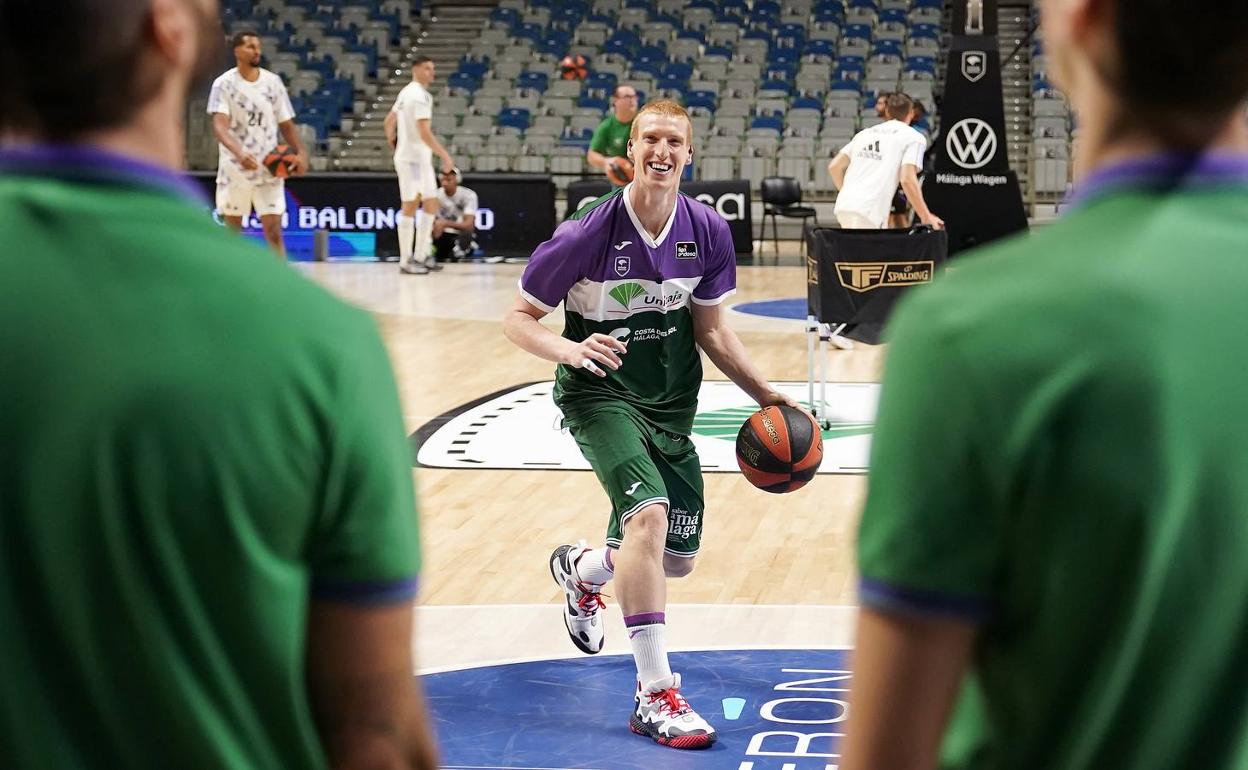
(638, 465)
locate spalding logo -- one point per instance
(771, 429)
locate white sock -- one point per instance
(595, 566)
(424, 236)
(647, 635)
(407, 229)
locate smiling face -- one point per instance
(660, 148)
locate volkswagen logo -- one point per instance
(971, 143)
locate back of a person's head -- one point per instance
(1181, 57)
(71, 67)
(898, 106)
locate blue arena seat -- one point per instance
(463, 81)
(704, 99)
(537, 81)
(819, 50)
(858, 31)
(514, 117)
(929, 31)
(678, 69)
(605, 81)
(768, 121)
(777, 86)
(592, 102)
(528, 31)
(845, 85)
(830, 11)
(475, 68)
(887, 48)
(891, 15)
(807, 102)
(506, 16)
(654, 53)
(717, 51)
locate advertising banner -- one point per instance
(730, 199)
(517, 212)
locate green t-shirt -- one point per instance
(611, 137)
(195, 441)
(1060, 454)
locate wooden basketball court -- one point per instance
(774, 570)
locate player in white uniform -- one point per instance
(407, 129)
(249, 105)
(867, 170)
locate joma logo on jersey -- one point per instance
(867, 276)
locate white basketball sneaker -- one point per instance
(582, 613)
(664, 715)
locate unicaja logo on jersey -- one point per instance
(625, 293)
(971, 143)
(974, 65)
(868, 276)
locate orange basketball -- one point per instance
(573, 67)
(779, 448)
(620, 171)
(281, 161)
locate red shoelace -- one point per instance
(589, 598)
(672, 703)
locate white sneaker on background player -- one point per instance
(583, 605)
(661, 713)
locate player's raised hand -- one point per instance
(596, 352)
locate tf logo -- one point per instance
(622, 265)
(867, 276)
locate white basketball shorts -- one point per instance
(237, 196)
(416, 179)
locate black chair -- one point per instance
(782, 197)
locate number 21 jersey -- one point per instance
(255, 110)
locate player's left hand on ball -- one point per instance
(301, 164)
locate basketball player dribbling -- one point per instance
(641, 273)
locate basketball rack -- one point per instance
(823, 332)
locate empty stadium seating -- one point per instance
(772, 88)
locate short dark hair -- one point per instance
(42, 89)
(419, 60)
(1179, 57)
(240, 37)
(898, 106)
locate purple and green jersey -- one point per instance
(613, 278)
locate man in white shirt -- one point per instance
(249, 106)
(457, 219)
(408, 131)
(867, 170)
